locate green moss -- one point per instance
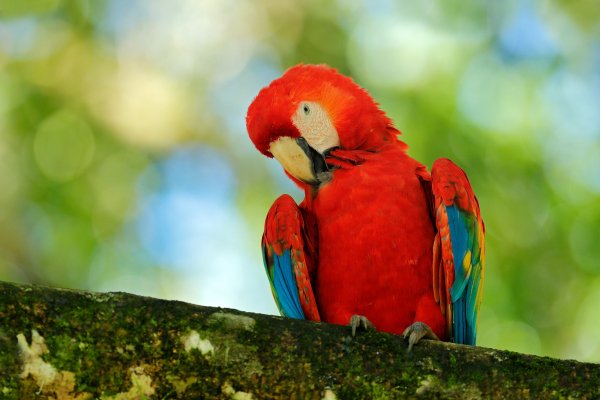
(101, 338)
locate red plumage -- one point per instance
(368, 231)
(375, 243)
(357, 118)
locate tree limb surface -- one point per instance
(67, 344)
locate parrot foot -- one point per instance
(356, 321)
(416, 332)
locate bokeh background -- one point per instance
(125, 164)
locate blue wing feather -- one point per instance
(459, 326)
(462, 293)
(465, 287)
(459, 235)
(287, 257)
(458, 219)
(285, 286)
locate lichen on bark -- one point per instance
(66, 344)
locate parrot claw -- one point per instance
(356, 321)
(416, 332)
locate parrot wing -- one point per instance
(459, 250)
(287, 256)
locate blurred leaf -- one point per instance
(20, 8)
(63, 146)
(584, 12)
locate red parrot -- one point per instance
(377, 242)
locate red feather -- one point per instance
(375, 243)
(371, 224)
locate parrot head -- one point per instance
(310, 111)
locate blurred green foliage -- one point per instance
(124, 162)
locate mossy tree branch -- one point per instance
(67, 344)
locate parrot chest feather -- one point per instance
(375, 240)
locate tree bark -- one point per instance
(68, 344)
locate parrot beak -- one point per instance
(299, 159)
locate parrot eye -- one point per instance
(306, 109)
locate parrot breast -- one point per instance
(375, 244)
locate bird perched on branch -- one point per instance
(378, 241)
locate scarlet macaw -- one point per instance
(377, 241)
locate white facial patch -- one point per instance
(314, 124)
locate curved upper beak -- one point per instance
(299, 159)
